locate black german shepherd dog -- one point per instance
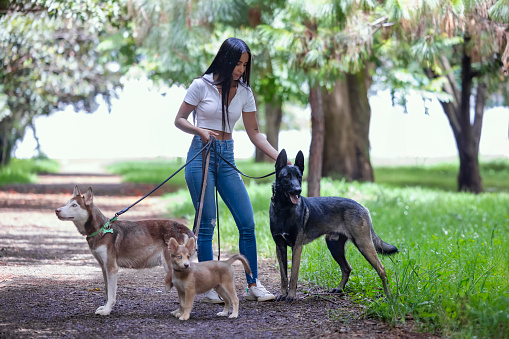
(296, 221)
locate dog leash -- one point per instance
(204, 170)
(247, 176)
(203, 187)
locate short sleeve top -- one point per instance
(205, 96)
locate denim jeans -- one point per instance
(232, 190)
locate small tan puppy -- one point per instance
(196, 278)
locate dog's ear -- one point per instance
(173, 245)
(281, 161)
(190, 245)
(76, 191)
(89, 197)
(299, 161)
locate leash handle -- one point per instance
(205, 169)
(199, 209)
(217, 205)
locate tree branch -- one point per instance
(453, 87)
(480, 104)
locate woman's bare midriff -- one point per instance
(221, 135)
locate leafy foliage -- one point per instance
(51, 59)
(425, 35)
(26, 170)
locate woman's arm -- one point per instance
(183, 124)
(257, 138)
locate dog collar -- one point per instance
(105, 229)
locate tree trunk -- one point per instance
(6, 140)
(347, 115)
(316, 148)
(466, 134)
(273, 117)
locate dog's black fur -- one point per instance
(296, 221)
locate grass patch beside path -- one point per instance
(25, 170)
(443, 176)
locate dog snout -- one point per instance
(57, 211)
(186, 265)
(297, 190)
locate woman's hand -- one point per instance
(205, 134)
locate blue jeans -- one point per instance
(232, 190)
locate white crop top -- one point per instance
(205, 96)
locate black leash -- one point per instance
(247, 176)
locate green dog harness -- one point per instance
(105, 229)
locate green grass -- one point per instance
(452, 273)
(443, 175)
(150, 172)
(25, 170)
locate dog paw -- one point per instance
(184, 317)
(289, 298)
(176, 313)
(222, 314)
(233, 315)
(103, 310)
(336, 290)
(281, 297)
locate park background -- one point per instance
(65, 63)
(140, 125)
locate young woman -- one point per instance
(217, 100)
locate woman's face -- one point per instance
(241, 66)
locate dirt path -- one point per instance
(50, 285)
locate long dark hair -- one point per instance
(223, 65)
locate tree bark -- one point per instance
(317, 140)
(466, 134)
(273, 117)
(347, 116)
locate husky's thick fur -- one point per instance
(191, 278)
(130, 244)
(296, 221)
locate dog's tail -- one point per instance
(243, 260)
(381, 246)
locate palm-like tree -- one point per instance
(463, 47)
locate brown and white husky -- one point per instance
(122, 243)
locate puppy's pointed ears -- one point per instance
(299, 161)
(173, 245)
(281, 161)
(190, 245)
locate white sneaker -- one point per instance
(258, 293)
(211, 297)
